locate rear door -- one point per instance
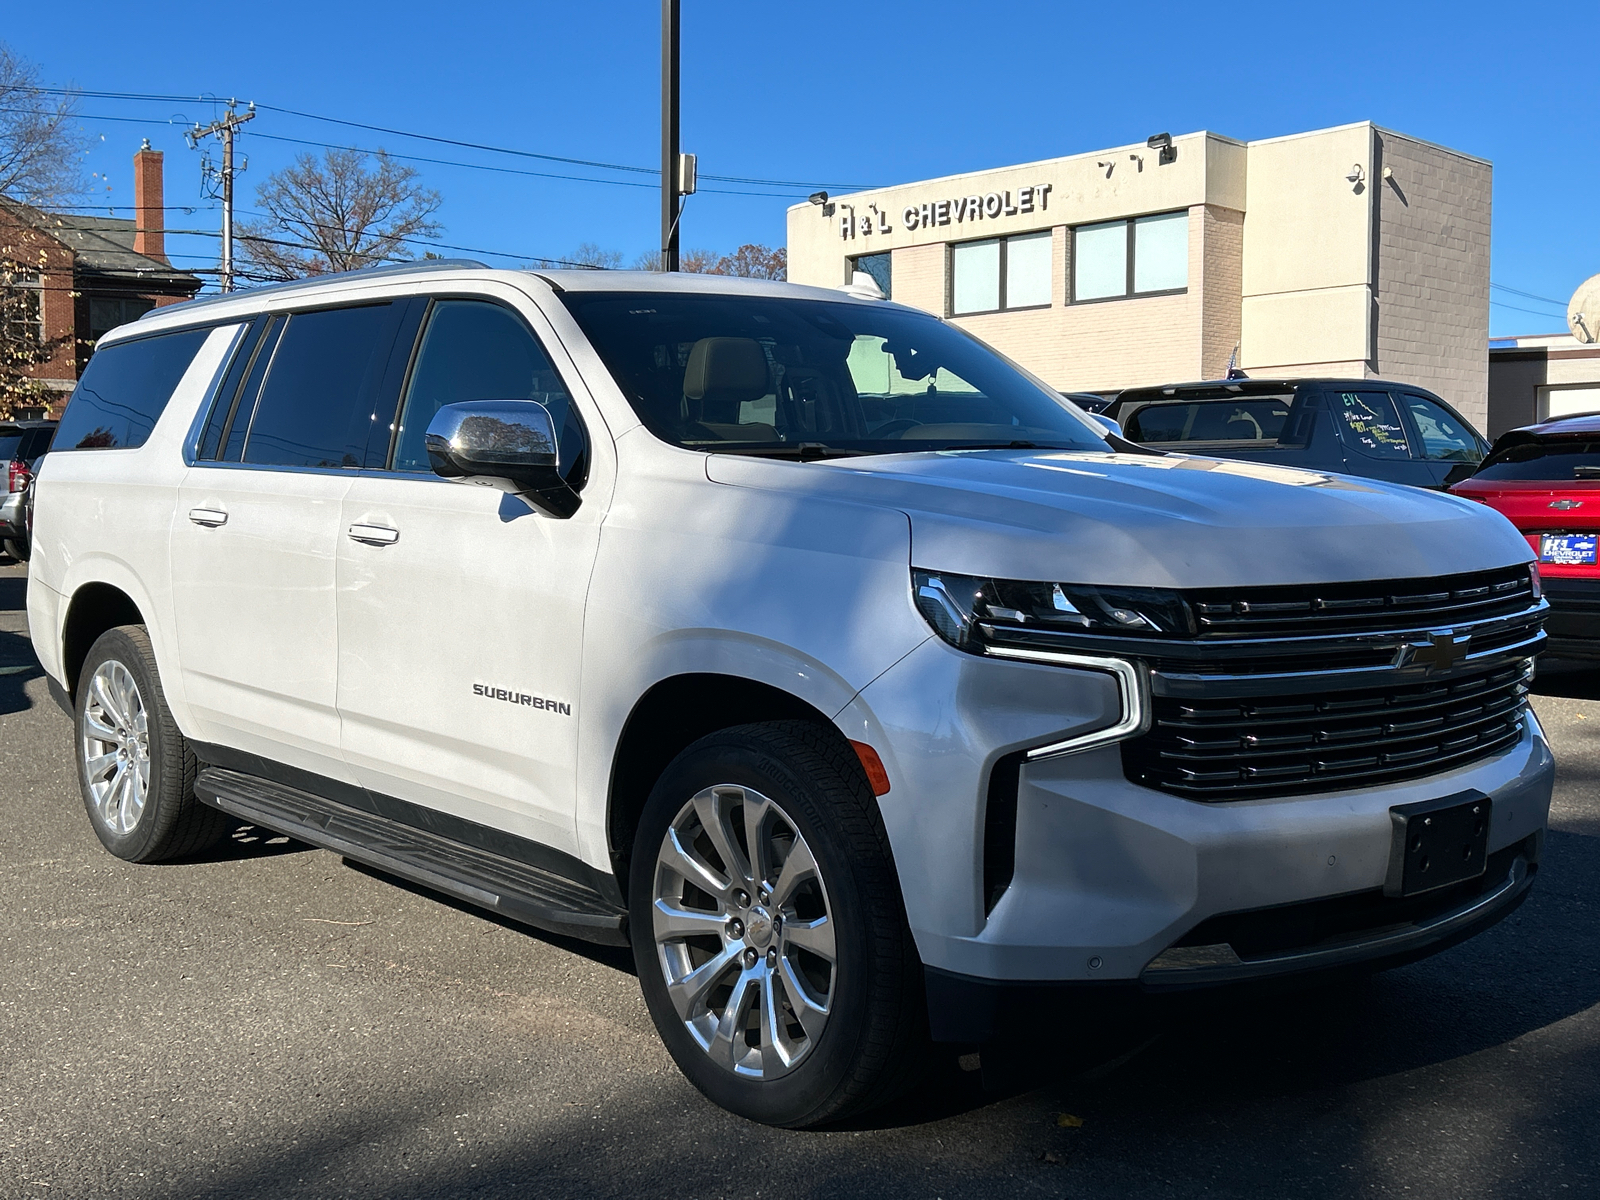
(1376, 437)
(256, 533)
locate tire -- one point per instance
(719, 950)
(17, 548)
(135, 770)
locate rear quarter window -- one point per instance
(1248, 419)
(124, 391)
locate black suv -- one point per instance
(22, 444)
(1391, 431)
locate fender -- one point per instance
(100, 566)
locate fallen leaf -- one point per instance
(1068, 1121)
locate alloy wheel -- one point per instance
(115, 747)
(744, 933)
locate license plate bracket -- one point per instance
(1568, 549)
(1436, 843)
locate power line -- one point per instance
(1530, 311)
(429, 137)
(1528, 295)
(441, 162)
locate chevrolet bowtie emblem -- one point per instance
(1566, 504)
(1443, 649)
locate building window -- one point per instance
(21, 304)
(107, 312)
(879, 267)
(1000, 274)
(1147, 256)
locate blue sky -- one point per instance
(873, 92)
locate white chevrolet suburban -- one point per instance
(864, 685)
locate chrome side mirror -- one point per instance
(505, 444)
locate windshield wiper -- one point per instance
(799, 451)
(995, 446)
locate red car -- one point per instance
(1546, 479)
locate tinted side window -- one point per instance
(476, 350)
(1244, 420)
(1370, 422)
(1443, 436)
(316, 406)
(125, 389)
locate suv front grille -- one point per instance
(1237, 748)
(1345, 608)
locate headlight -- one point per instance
(957, 605)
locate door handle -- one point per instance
(374, 535)
(209, 517)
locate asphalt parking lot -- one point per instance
(266, 1021)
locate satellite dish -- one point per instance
(1583, 312)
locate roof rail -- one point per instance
(293, 285)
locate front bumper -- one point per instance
(965, 1008)
(1110, 876)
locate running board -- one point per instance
(520, 891)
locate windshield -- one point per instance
(773, 375)
(1575, 459)
(10, 443)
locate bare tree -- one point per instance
(587, 254)
(754, 261)
(694, 262)
(347, 210)
(41, 144)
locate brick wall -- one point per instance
(1221, 282)
(1432, 271)
(33, 249)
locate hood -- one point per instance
(1143, 520)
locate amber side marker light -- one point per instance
(873, 765)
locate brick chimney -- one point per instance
(149, 212)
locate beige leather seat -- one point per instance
(722, 374)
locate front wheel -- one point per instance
(135, 769)
(768, 928)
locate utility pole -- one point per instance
(669, 135)
(224, 128)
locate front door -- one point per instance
(255, 535)
(460, 607)
(1448, 445)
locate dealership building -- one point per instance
(1354, 251)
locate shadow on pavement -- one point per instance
(17, 667)
(619, 958)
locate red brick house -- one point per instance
(82, 276)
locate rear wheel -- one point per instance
(768, 929)
(135, 770)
